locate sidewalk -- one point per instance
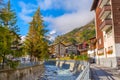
(103, 73)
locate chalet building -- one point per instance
(71, 49)
(60, 49)
(92, 49)
(82, 48)
(107, 19)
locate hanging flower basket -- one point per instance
(100, 54)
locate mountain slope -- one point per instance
(78, 35)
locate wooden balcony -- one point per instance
(105, 24)
(103, 2)
(106, 10)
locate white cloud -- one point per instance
(79, 16)
(77, 13)
(68, 22)
(27, 9)
(67, 5)
(25, 18)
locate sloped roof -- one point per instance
(58, 43)
(92, 38)
(94, 5)
(71, 45)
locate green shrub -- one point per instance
(82, 57)
(71, 56)
(13, 64)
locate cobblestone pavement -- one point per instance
(104, 73)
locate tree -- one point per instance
(36, 44)
(8, 35)
(72, 40)
(8, 18)
(87, 34)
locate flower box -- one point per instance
(100, 54)
(109, 51)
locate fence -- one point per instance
(84, 75)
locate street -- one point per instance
(103, 73)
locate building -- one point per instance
(60, 49)
(82, 48)
(92, 49)
(107, 19)
(51, 49)
(71, 49)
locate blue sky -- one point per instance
(61, 16)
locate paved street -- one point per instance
(104, 73)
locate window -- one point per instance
(110, 48)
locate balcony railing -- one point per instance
(103, 2)
(105, 11)
(105, 24)
(84, 49)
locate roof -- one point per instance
(94, 5)
(92, 38)
(71, 45)
(58, 43)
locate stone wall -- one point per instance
(28, 73)
(71, 65)
(107, 62)
(74, 66)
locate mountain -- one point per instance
(78, 35)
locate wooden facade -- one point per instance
(71, 49)
(92, 44)
(107, 21)
(99, 33)
(83, 48)
(116, 19)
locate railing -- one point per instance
(103, 2)
(105, 8)
(84, 75)
(105, 22)
(83, 49)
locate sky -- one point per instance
(60, 16)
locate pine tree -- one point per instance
(8, 18)
(8, 35)
(36, 43)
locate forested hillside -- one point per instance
(78, 35)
